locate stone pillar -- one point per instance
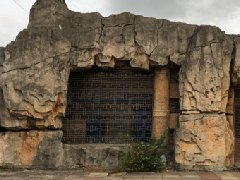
(160, 103)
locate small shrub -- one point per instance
(145, 156)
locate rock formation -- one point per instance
(34, 71)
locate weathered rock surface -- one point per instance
(44, 150)
(93, 156)
(172, 43)
(34, 71)
(2, 57)
(204, 76)
(236, 60)
(200, 142)
(38, 149)
(67, 40)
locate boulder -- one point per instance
(200, 142)
(31, 149)
(204, 77)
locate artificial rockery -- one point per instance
(34, 71)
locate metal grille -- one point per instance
(108, 107)
(174, 105)
(237, 124)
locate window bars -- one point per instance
(108, 107)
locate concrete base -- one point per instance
(44, 150)
(93, 156)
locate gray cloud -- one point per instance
(153, 8)
(200, 12)
(212, 10)
(222, 13)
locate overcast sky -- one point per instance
(222, 13)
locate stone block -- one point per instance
(31, 149)
(201, 142)
(95, 156)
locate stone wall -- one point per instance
(34, 71)
(44, 150)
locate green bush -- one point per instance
(145, 156)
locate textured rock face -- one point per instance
(31, 149)
(44, 150)
(204, 76)
(236, 62)
(201, 141)
(34, 71)
(93, 156)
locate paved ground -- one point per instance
(80, 175)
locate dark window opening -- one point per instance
(108, 106)
(174, 89)
(174, 105)
(237, 124)
(174, 75)
(174, 72)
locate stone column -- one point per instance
(160, 103)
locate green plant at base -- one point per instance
(145, 156)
